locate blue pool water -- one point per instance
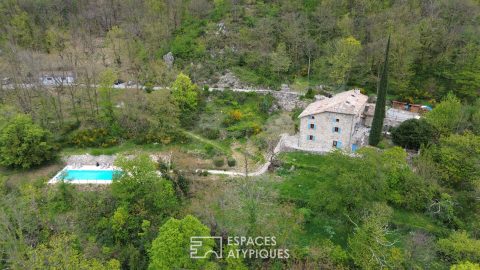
(106, 175)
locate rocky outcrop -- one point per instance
(169, 59)
(229, 80)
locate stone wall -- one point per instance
(289, 100)
(323, 131)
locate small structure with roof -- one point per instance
(57, 78)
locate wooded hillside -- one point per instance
(337, 43)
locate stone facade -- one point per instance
(337, 122)
(320, 131)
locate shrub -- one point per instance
(310, 94)
(413, 133)
(211, 133)
(210, 150)
(96, 137)
(231, 162)
(25, 144)
(219, 162)
(266, 103)
(459, 246)
(236, 115)
(203, 173)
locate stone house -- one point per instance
(341, 121)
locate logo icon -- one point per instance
(196, 244)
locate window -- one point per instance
(311, 117)
(312, 126)
(337, 120)
(336, 129)
(310, 138)
(335, 143)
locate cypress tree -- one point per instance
(377, 123)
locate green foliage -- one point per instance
(466, 266)
(24, 144)
(378, 176)
(139, 186)
(211, 133)
(459, 247)
(446, 116)
(231, 162)
(443, 210)
(341, 57)
(267, 103)
(185, 43)
(379, 115)
(185, 95)
(413, 133)
(107, 114)
(279, 59)
(310, 94)
(219, 161)
(234, 114)
(457, 159)
(63, 198)
(61, 253)
(151, 118)
(370, 247)
(94, 137)
(170, 249)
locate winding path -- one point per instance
(263, 169)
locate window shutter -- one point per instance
(333, 129)
(339, 144)
(339, 130)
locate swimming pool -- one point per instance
(86, 174)
(104, 175)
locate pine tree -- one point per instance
(377, 124)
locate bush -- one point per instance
(96, 137)
(413, 133)
(266, 103)
(219, 162)
(25, 144)
(210, 151)
(459, 246)
(310, 94)
(231, 162)
(211, 133)
(203, 173)
(236, 115)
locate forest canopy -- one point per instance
(338, 44)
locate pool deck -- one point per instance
(57, 179)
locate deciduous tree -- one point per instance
(25, 144)
(170, 250)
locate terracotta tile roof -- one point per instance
(349, 102)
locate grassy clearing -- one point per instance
(222, 148)
(415, 221)
(18, 176)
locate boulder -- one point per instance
(169, 59)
